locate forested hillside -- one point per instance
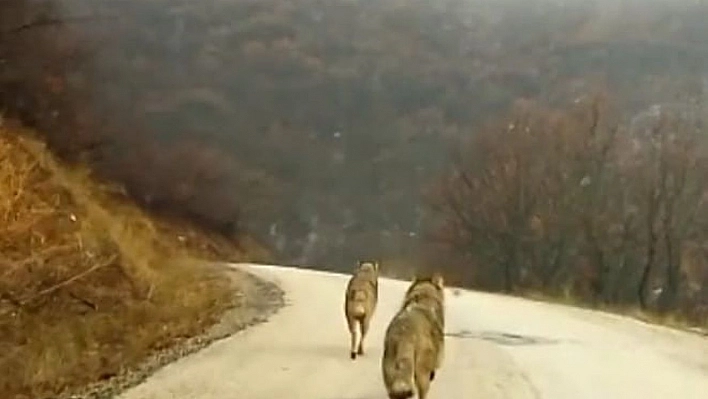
(318, 124)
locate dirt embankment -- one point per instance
(94, 293)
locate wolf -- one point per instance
(429, 291)
(414, 340)
(360, 301)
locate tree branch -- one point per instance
(45, 21)
(70, 280)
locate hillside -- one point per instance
(325, 116)
(89, 285)
(321, 126)
(576, 204)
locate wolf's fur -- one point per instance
(414, 340)
(360, 303)
(428, 291)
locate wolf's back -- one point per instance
(412, 350)
(424, 293)
(429, 299)
(361, 295)
(397, 364)
(357, 303)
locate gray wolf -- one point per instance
(414, 340)
(360, 303)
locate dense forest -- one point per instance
(571, 202)
(328, 128)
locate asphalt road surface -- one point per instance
(496, 347)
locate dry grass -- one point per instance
(88, 283)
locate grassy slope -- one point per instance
(89, 283)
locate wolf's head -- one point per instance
(372, 265)
(435, 279)
(427, 290)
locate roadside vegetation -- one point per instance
(576, 204)
(90, 284)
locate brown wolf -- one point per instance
(360, 303)
(414, 340)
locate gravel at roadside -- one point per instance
(255, 300)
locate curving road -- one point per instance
(497, 347)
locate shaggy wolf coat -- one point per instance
(360, 303)
(414, 340)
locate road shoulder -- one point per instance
(255, 300)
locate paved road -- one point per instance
(497, 347)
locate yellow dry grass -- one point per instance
(89, 284)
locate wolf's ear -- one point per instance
(438, 280)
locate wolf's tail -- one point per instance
(356, 304)
(400, 390)
(358, 309)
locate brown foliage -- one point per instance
(88, 283)
(51, 85)
(107, 79)
(573, 201)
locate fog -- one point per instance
(319, 126)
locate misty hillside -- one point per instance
(318, 124)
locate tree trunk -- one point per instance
(508, 275)
(648, 265)
(669, 294)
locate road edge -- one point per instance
(261, 300)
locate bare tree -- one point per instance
(570, 200)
